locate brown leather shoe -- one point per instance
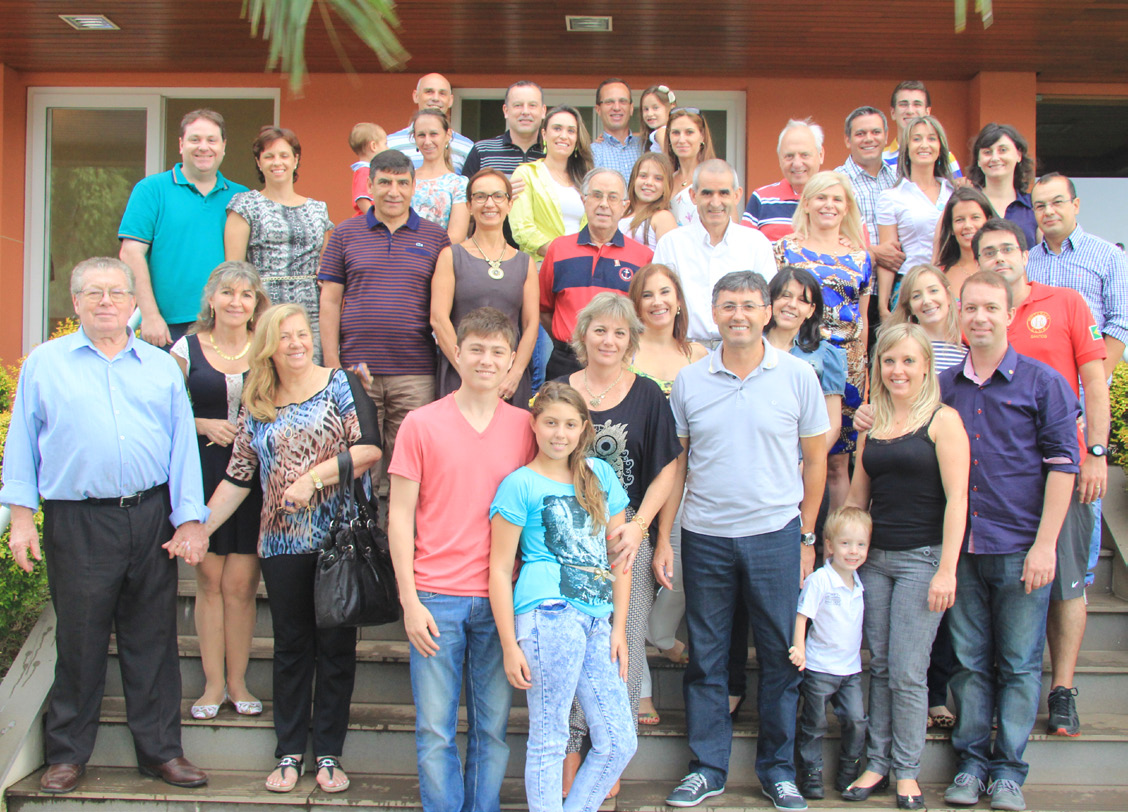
(61, 778)
(180, 772)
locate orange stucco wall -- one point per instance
(332, 103)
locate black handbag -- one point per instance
(354, 584)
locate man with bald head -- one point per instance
(770, 208)
(432, 91)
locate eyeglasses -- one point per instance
(1056, 203)
(730, 308)
(599, 197)
(482, 197)
(1002, 250)
(681, 110)
(95, 295)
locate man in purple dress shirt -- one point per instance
(1021, 418)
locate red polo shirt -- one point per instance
(1054, 326)
(575, 269)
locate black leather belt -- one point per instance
(132, 500)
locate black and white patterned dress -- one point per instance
(285, 246)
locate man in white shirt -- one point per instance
(705, 250)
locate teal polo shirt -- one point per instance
(184, 231)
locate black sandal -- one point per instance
(332, 764)
(287, 763)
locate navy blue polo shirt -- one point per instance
(386, 312)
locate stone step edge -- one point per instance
(401, 792)
(1091, 661)
(392, 717)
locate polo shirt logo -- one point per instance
(1038, 322)
(625, 272)
(1094, 332)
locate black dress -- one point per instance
(215, 396)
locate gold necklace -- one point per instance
(495, 271)
(597, 399)
(225, 356)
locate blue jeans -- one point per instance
(468, 637)
(900, 631)
(539, 361)
(716, 571)
(569, 655)
(999, 633)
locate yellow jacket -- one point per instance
(535, 218)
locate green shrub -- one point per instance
(1118, 400)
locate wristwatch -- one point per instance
(317, 481)
(808, 539)
(1098, 450)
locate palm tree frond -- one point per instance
(284, 26)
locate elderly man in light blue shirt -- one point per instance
(745, 413)
(103, 431)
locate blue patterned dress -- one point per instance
(845, 278)
(301, 436)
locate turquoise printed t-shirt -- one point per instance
(564, 558)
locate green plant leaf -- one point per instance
(284, 26)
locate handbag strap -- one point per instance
(345, 473)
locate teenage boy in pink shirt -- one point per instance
(449, 459)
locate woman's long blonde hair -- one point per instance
(262, 378)
(851, 227)
(589, 491)
(903, 313)
(927, 401)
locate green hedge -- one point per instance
(1118, 399)
(21, 595)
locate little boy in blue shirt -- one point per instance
(830, 657)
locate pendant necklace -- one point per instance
(597, 399)
(225, 356)
(495, 271)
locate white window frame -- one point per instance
(42, 99)
(733, 102)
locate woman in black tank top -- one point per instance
(912, 475)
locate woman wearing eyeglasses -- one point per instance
(482, 271)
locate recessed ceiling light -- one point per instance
(89, 22)
(576, 22)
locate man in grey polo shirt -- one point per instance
(744, 413)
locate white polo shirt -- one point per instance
(699, 264)
(744, 477)
(834, 643)
(915, 216)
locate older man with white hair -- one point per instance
(770, 208)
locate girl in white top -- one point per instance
(656, 102)
(648, 216)
(688, 143)
(908, 212)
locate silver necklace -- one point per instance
(495, 271)
(597, 399)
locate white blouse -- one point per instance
(915, 216)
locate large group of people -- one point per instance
(594, 361)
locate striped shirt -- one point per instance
(866, 190)
(611, 153)
(1093, 267)
(771, 209)
(386, 311)
(946, 354)
(404, 141)
(500, 153)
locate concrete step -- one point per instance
(119, 788)
(384, 735)
(383, 675)
(1107, 629)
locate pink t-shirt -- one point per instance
(360, 184)
(458, 471)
